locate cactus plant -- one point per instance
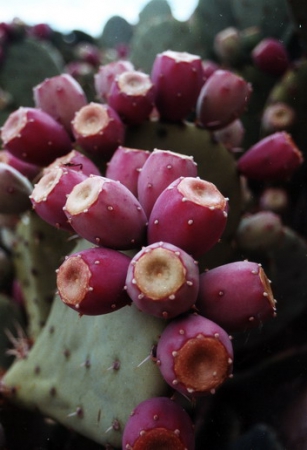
(95, 358)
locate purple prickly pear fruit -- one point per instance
(237, 296)
(132, 96)
(273, 158)
(106, 213)
(158, 423)
(228, 45)
(278, 117)
(222, 99)
(271, 56)
(231, 136)
(50, 193)
(159, 171)
(92, 281)
(15, 189)
(190, 213)
(275, 199)
(98, 129)
(106, 74)
(28, 170)
(194, 355)
(61, 97)
(163, 280)
(40, 31)
(178, 77)
(34, 136)
(259, 232)
(80, 70)
(77, 161)
(209, 67)
(89, 53)
(125, 166)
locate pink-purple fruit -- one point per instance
(190, 213)
(163, 280)
(125, 166)
(158, 423)
(222, 99)
(50, 193)
(273, 158)
(178, 78)
(106, 213)
(92, 281)
(194, 355)
(159, 171)
(34, 136)
(237, 296)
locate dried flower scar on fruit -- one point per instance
(92, 281)
(163, 280)
(194, 355)
(158, 423)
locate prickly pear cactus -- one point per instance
(37, 251)
(98, 370)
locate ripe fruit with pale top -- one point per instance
(190, 213)
(106, 213)
(163, 280)
(92, 281)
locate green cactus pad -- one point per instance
(159, 34)
(271, 17)
(11, 322)
(86, 372)
(27, 63)
(37, 252)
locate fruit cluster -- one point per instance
(148, 217)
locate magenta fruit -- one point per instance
(190, 213)
(98, 129)
(89, 53)
(275, 199)
(50, 193)
(125, 166)
(34, 136)
(237, 296)
(159, 171)
(231, 136)
(273, 158)
(178, 77)
(158, 423)
(92, 281)
(163, 280)
(77, 161)
(106, 213)
(222, 99)
(228, 45)
(278, 117)
(194, 355)
(106, 74)
(61, 97)
(259, 232)
(271, 56)
(132, 96)
(28, 170)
